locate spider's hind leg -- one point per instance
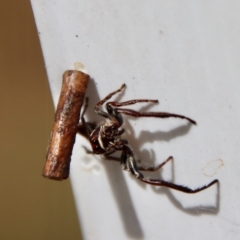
(131, 163)
(153, 169)
(158, 182)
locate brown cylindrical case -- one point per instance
(65, 125)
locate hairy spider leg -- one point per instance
(153, 169)
(130, 162)
(153, 114)
(131, 102)
(100, 103)
(143, 114)
(181, 188)
(108, 156)
(97, 107)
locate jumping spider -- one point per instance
(107, 139)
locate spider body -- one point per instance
(103, 140)
(106, 138)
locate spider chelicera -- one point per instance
(107, 139)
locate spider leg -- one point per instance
(181, 188)
(124, 156)
(152, 169)
(100, 103)
(152, 114)
(131, 162)
(131, 102)
(107, 156)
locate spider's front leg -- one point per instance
(128, 160)
(100, 103)
(126, 111)
(153, 114)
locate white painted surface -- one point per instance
(186, 54)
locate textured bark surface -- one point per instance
(65, 125)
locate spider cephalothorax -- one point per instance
(107, 139)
